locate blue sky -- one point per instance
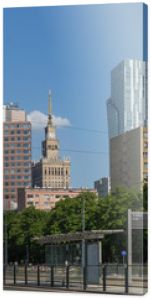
(70, 50)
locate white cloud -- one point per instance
(39, 120)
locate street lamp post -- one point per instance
(83, 230)
(5, 244)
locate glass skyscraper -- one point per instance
(127, 106)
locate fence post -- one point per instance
(104, 278)
(26, 275)
(14, 274)
(38, 275)
(67, 277)
(52, 276)
(84, 278)
(126, 279)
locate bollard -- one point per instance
(126, 279)
(14, 275)
(38, 275)
(84, 278)
(67, 277)
(52, 276)
(104, 278)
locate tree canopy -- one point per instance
(109, 212)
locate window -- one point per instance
(18, 157)
(6, 139)
(6, 151)
(6, 164)
(6, 132)
(18, 151)
(6, 126)
(26, 131)
(27, 164)
(26, 151)
(30, 202)
(12, 126)
(26, 138)
(6, 158)
(26, 157)
(26, 145)
(6, 171)
(30, 196)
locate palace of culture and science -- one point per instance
(51, 171)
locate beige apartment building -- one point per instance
(129, 159)
(46, 198)
(16, 154)
(51, 171)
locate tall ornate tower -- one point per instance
(51, 171)
(50, 146)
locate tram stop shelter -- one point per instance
(79, 248)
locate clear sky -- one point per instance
(70, 50)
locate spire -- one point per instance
(49, 108)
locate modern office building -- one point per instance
(103, 186)
(127, 106)
(127, 120)
(129, 159)
(16, 154)
(51, 171)
(46, 198)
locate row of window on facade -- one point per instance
(14, 171)
(45, 196)
(17, 138)
(14, 145)
(56, 171)
(12, 132)
(16, 177)
(13, 126)
(17, 164)
(16, 157)
(52, 204)
(7, 183)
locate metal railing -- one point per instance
(106, 278)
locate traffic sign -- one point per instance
(123, 253)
